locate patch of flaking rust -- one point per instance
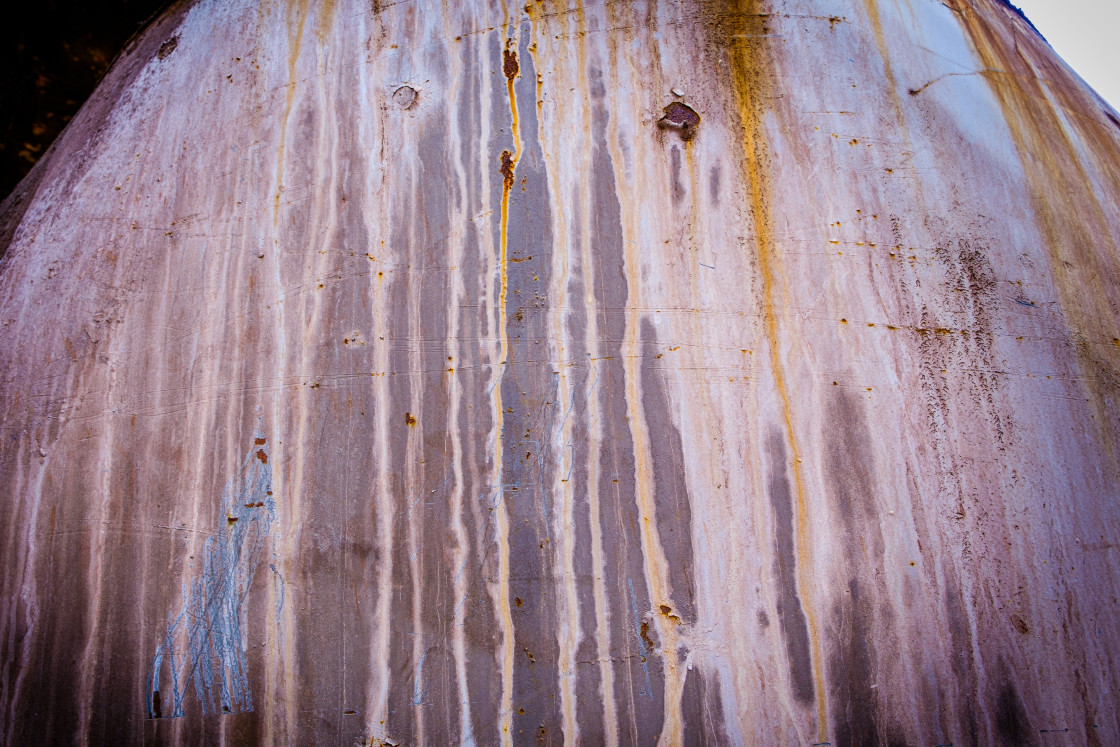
(749, 57)
(510, 68)
(506, 170)
(680, 117)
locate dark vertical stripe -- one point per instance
(528, 461)
(791, 616)
(639, 676)
(702, 708)
(674, 510)
(852, 670)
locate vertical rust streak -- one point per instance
(508, 165)
(750, 85)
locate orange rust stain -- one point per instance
(750, 55)
(326, 19)
(260, 441)
(409, 419)
(262, 456)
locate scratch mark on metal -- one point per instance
(204, 645)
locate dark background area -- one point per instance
(54, 52)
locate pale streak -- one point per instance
(569, 631)
(461, 553)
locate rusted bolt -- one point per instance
(405, 97)
(680, 117)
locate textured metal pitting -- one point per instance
(606, 373)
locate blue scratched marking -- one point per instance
(638, 634)
(418, 694)
(280, 600)
(203, 646)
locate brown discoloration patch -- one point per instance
(262, 456)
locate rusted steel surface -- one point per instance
(616, 373)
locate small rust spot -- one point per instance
(1020, 625)
(262, 456)
(409, 420)
(521, 711)
(668, 612)
(349, 712)
(517, 601)
(509, 62)
(680, 117)
(644, 633)
(507, 169)
(232, 520)
(166, 49)
(260, 441)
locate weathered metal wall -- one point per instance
(616, 373)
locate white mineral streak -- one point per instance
(786, 414)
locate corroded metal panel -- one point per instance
(606, 373)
